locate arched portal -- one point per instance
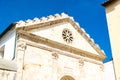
(67, 78)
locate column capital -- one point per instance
(21, 45)
(54, 55)
(81, 62)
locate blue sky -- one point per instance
(89, 13)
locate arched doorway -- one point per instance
(67, 78)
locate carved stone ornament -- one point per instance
(102, 67)
(21, 45)
(55, 55)
(81, 62)
(67, 35)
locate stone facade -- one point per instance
(56, 48)
(113, 18)
(47, 63)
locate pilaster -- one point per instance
(55, 65)
(21, 47)
(81, 68)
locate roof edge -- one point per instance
(41, 20)
(7, 29)
(108, 2)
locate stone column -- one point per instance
(21, 47)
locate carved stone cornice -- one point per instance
(58, 45)
(70, 20)
(58, 51)
(41, 20)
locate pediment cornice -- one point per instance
(58, 45)
(57, 20)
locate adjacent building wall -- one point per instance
(113, 18)
(7, 66)
(109, 71)
(8, 40)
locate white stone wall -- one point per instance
(8, 41)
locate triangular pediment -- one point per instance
(69, 37)
(65, 31)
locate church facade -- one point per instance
(49, 48)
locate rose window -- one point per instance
(67, 35)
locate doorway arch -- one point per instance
(66, 77)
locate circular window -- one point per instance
(67, 35)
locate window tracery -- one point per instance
(67, 35)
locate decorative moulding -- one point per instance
(41, 20)
(57, 18)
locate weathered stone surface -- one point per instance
(7, 75)
(40, 64)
